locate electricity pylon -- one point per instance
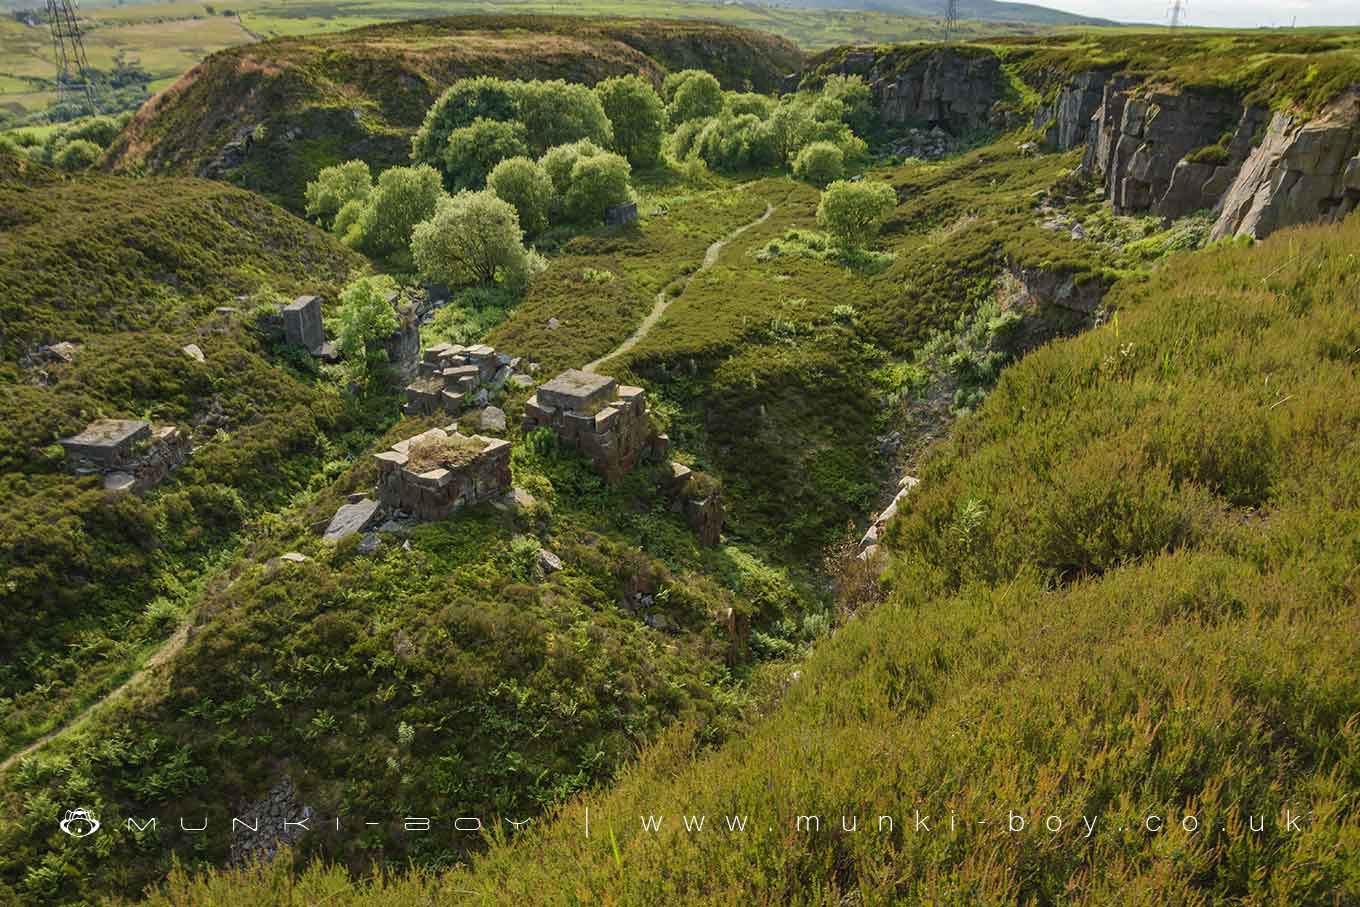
(73, 70)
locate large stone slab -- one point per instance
(107, 441)
(353, 518)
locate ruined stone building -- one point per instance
(605, 421)
(441, 471)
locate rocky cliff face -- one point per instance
(1177, 152)
(1301, 171)
(1066, 121)
(938, 87)
(1142, 136)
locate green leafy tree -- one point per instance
(366, 319)
(819, 163)
(473, 151)
(854, 212)
(671, 84)
(744, 102)
(404, 197)
(473, 238)
(525, 184)
(466, 101)
(637, 115)
(557, 112)
(334, 187)
(77, 155)
(596, 183)
(559, 161)
(730, 142)
(698, 96)
(858, 108)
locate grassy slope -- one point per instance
(132, 270)
(1126, 587)
(328, 98)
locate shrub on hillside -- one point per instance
(557, 112)
(525, 184)
(404, 197)
(637, 115)
(854, 212)
(697, 96)
(334, 187)
(466, 101)
(596, 183)
(820, 163)
(473, 238)
(748, 102)
(857, 107)
(473, 151)
(729, 142)
(366, 319)
(558, 162)
(77, 155)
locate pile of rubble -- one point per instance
(130, 455)
(922, 144)
(605, 421)
(453, 378)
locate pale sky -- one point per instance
(1220, 13)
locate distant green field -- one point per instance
(169, 38)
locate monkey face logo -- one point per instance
(79, 823)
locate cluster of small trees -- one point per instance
(558, 152)
(73, 146)
(406, 217)
(813, 133)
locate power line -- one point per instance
(951, 19)
(68, 49)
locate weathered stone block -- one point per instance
(302, 323)
(621, 214)
(578, 391)
(353, 518)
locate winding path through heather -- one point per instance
(158, 658)
(664, 299)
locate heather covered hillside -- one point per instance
(1124, 589)
(693, 464)
(269, 116)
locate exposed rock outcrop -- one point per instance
(940, 87)
(1141, 137)
(1066, 122)
(1301, 171)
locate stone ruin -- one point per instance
(621, 215)
(438, 472)
(454, 377)
(699, 497)
(130, 454)
(605, 421)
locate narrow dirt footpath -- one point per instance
(158, 658)
(664, 299)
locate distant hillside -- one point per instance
(268, 116)
(981, 10)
